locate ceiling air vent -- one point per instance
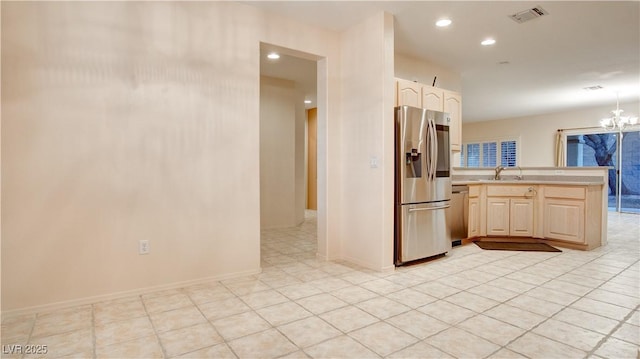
(528, 14)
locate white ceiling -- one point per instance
(293, 68)
(551, 59)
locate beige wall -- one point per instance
(410, 68)
(280, 143)
(367, 131)
(537, 133)
(124, 121)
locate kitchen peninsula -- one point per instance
(564, 206)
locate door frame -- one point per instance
(618, 160)
(322, 140)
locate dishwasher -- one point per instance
(458, 216)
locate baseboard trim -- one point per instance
(123, 294)
(322, 257)
(385, 269)
(388, 269)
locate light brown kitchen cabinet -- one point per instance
(408, 93)
(432, 98)
(564, 213)
(473, 217)
(497, 216)
(453, 106)
(521, 217)
(564, 219)
(570, 215)
(510, 211)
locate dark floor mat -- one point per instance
(516, 246)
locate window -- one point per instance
(508, 153)
(473, 154)
(489, 153)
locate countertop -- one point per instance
(527, 182)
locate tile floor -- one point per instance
(470, 304)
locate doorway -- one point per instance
(619, 150)
(288, 94)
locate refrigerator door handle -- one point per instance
(427, 158)
(428, 208)
(430, 158)
(434, 149)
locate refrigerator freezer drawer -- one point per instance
(423, 231)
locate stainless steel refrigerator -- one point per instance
(423, 184)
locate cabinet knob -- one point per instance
(531, 191)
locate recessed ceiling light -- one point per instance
(443, 22)
(307, 101)
(273, 56)
(488, 42)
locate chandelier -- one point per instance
(617, 121)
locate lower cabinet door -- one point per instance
(497, 216)
(474, 218)
(521, 217)
(564, 220)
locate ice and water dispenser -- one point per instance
(413, 163)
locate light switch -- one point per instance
(373, 162)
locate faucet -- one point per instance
(519, 176)
(498, 170)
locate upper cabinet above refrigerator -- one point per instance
(408, 93)
(415, 94)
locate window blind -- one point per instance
(508, 153)
(489, 154)
(473, 155)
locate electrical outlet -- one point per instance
(143, 247)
